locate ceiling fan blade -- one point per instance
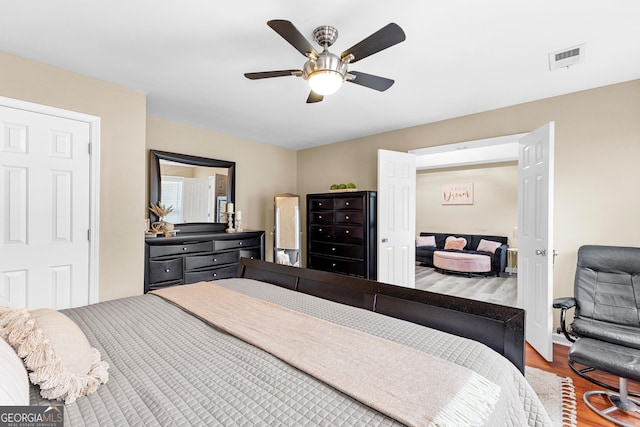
(314, 97)
(268, 74)
(385, 37)
(291, 34)
(371, 81)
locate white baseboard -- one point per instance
(561, 339)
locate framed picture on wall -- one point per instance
(457, 194)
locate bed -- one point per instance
(169, 367)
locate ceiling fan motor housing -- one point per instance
(326, 62)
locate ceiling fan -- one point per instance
(326, 71)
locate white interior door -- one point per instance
(45, 217)
(535, 237)
(196, 199)
(396, 218)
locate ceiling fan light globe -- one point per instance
(325, 82)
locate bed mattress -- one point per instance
(170, 368)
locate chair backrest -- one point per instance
(607, 284)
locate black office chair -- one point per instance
(606, 327)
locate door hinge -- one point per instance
(89, 147)
(89, 235)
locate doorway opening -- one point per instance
(490, 168)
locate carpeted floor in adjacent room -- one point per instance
(497, 290)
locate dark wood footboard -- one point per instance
(499, 327)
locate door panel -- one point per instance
(45, 188)
(396, 217)
(535, 240)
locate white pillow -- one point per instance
(488, 246)
(426, 241)
(14, 382)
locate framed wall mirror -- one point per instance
(198, 188)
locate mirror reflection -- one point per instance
(198, 188)
(197, 193)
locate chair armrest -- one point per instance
(564, 304)
(500, 258)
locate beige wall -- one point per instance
(597, 144)
(494, 210)
(262, 171)
(122, 158)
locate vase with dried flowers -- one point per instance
(162, 226)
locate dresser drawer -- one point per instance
(355, 268)
(345, 217)
(233, 244)
(254, 253)
(320, 204)
(321, 217)
(349, 234)
(348, 251)
(165, 270)
(208, 275)
(155, 286)
(349, 203)
(185, 248)
(213, 260)
(321, 232)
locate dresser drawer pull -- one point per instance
(184, 249)
(215, 260)
(240, 243)
(215, 274)
(167, 270)
(333, 249)
(346, 217)
(333, 264)
(320, 204)
(320, 230)
(346, 232)
(347, 203)
(319, 216)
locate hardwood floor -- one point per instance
(560, 367)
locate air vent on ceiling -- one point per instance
(566, 57)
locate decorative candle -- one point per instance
(239, 215)
(230, 207)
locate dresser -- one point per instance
(197, 256)
(341, 233)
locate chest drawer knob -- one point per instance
(240, 243)
(320, 204)
(346, 232)
(346, 216)
(215, 274)
(333, 249)
(215, 260)
(319, 216)
(184, 249)
(347, 203)
(333, 264)
(167, 270)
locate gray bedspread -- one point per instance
(169, 368)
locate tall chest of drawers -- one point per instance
(197, 256)
(341, 233)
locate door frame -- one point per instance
(462, 147)
(94, 177)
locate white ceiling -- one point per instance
(460, 57)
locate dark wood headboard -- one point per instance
(499, 327)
